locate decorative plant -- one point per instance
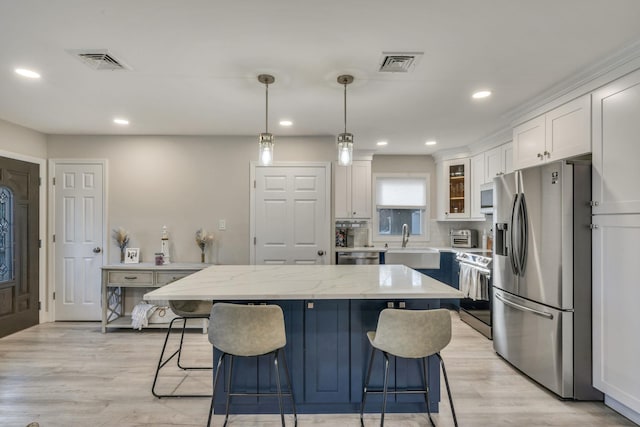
(203, 239)
(121, 236)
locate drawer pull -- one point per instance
(130, 277)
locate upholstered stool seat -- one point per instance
(411, 334)
(248, 331)
(184, 310)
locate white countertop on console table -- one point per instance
(153, 266)
(293, 282)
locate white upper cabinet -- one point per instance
(352, 195)
(616, 147)
(477, 179)
(497, 161)
(454, 190)
(559, 134)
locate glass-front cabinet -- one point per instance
(457, 189)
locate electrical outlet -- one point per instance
(222, 224)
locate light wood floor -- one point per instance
(70, 374)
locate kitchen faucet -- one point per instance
(405, 235)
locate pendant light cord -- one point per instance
(266, 114)
(345, 108)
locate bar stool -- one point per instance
(185, 310)
(411, 334)
(249, 331)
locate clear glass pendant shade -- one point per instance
(265, 146)
(345, 149)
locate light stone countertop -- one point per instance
(295, 282)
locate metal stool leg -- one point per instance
(426, 389)
(278, 386)
(446, 381)
(366, 386)
(161, 363)
(384, 387)
(288, 376)
(215, 382)
(184, 327)
(229, 392)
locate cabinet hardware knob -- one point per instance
(310, 305)
(320, 252)
(354, 212)
(540, 156)
(548, 154)
(390, 304)
(97, 250)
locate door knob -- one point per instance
(97, 250)
(320, 252)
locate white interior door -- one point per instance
(79, 240)
(291, 214)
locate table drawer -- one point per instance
(140, 278)
(166, 277)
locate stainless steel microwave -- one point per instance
(486, 198)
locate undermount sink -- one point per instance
(418, 258)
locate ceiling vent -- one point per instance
(399, 62)
(99, 59)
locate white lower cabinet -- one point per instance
(616, 324)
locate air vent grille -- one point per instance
(401, 62)
(99, 59)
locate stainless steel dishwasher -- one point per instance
(358, 258)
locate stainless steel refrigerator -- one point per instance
(542, 276)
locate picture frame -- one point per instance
(132, 256)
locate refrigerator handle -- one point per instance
(513, 232)
(524, 233)
(523, 308)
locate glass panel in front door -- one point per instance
(6, 235)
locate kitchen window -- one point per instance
(401, 199)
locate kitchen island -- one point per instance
(328, 309)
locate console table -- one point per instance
(119, 277)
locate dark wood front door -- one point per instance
(19, 287)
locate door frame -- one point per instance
(44, 313)
(252, 201)
(52, 220)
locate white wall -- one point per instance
(21, 140)
(184, 183)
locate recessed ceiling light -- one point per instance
(430, 142)
(481, 94)
(381, 143)
(27, 73)
(286, 122)
(121, 121)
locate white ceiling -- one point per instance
(194, 64)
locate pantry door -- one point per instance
(19, 236)
(79, 238)
(291, 214)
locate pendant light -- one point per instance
(345, 139)
(265, 140)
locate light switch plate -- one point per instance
(222, 224)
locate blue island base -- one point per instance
(327, 353)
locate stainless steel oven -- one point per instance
(475, 282)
